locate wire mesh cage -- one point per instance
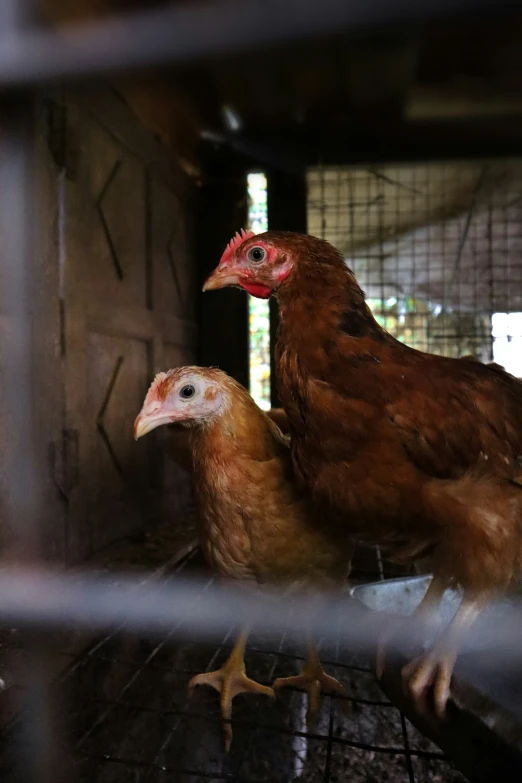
(436, 248)
(121, 700)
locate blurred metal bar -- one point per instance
(46, 600)
(37, 599)
(20, 468)
(187, 32)
(21, 480)
(15, 14)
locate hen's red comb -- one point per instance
(155, 391)
(234, 243)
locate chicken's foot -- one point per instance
(229, 681)
(424, 613)
(435, 667)
(314, 680)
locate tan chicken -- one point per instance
(255, 524)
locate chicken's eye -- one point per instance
(186, 392)
(256, 254)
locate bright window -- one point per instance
(258, 309)
(506, 329)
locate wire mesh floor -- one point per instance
(124, 702)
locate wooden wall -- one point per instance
(115, 304)
(154, 98)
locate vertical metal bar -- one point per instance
(12, 14)
(19, 495)
(21, 456)
(20, 503)
(380, 199)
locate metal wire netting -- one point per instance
(123, 702)
(437, 249)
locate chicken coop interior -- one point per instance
(135, 139)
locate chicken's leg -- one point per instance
(313, 679)
(435, 667)
(423, 613)
(229, 681)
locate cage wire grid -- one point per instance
(437, 249)
(124, 702)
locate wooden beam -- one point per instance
(294, 148)
(460, 103)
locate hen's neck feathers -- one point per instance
(323, 302)
(241, 430)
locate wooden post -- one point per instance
(223, 315)
(286, 212)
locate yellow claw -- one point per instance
(314, 680)
(229, 681)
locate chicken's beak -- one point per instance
(221, 277)
(147, 422)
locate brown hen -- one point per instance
(255, 525)
(418, 453)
